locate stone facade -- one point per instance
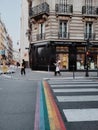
(64, 22)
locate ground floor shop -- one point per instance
(42, 56)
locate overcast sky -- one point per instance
(10, 12)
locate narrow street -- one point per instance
(22, 98)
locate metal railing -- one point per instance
(40, 36)
(64, 35)
(90, 10)
(39, 9)
(90, 36)
(63, 8)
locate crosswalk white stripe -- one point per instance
(77, 115)
(74, 115)
(76, 85)
(62, 80)
(67, 82)
(77, 98)
(76, 90)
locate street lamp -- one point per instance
(88, 45)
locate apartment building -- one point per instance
(63, 29)
(2, 39)
(6, 44)
(9, 50)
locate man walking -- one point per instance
(23, 67)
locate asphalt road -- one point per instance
(17, 104)
(18, 99)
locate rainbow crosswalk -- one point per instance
(47, 115)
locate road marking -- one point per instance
(77, 98)
(76, 115)
(68, 82)
(76, 90)
(7, 76)
(76, 85)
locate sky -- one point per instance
(10, 13)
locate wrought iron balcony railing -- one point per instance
(63, 9)
(64, 35)
(90, 10)
(90, 36)
(40, 36)
(39, 10)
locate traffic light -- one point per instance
(88, 53)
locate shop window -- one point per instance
(80, 61)
(61, 49)
(63, 60)
(92, 61)
(80, 49)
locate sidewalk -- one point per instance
(39, 75)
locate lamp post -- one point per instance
(87, 57)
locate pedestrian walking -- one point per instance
(23, 66)
(57, 68)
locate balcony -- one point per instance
(90, 10)
(62, 9)
(29, 0)
(64, 35)
(39, 10)
(90, 36)
(40, 36)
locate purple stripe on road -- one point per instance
(37, 112)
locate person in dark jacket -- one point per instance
(23, 67)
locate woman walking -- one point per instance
(57, 68)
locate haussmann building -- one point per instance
(63, 29)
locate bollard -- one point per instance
(73, 72)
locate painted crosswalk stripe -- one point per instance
(76, 90)
(76, 115)
(68, 81)
(76, 85)
(72, 83)
(77, 98)
(58, 82)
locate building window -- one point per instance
(88, 2)
(89, 30)
(63, 33)
(41, 35)
(63, 2)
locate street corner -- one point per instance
(47, 115)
